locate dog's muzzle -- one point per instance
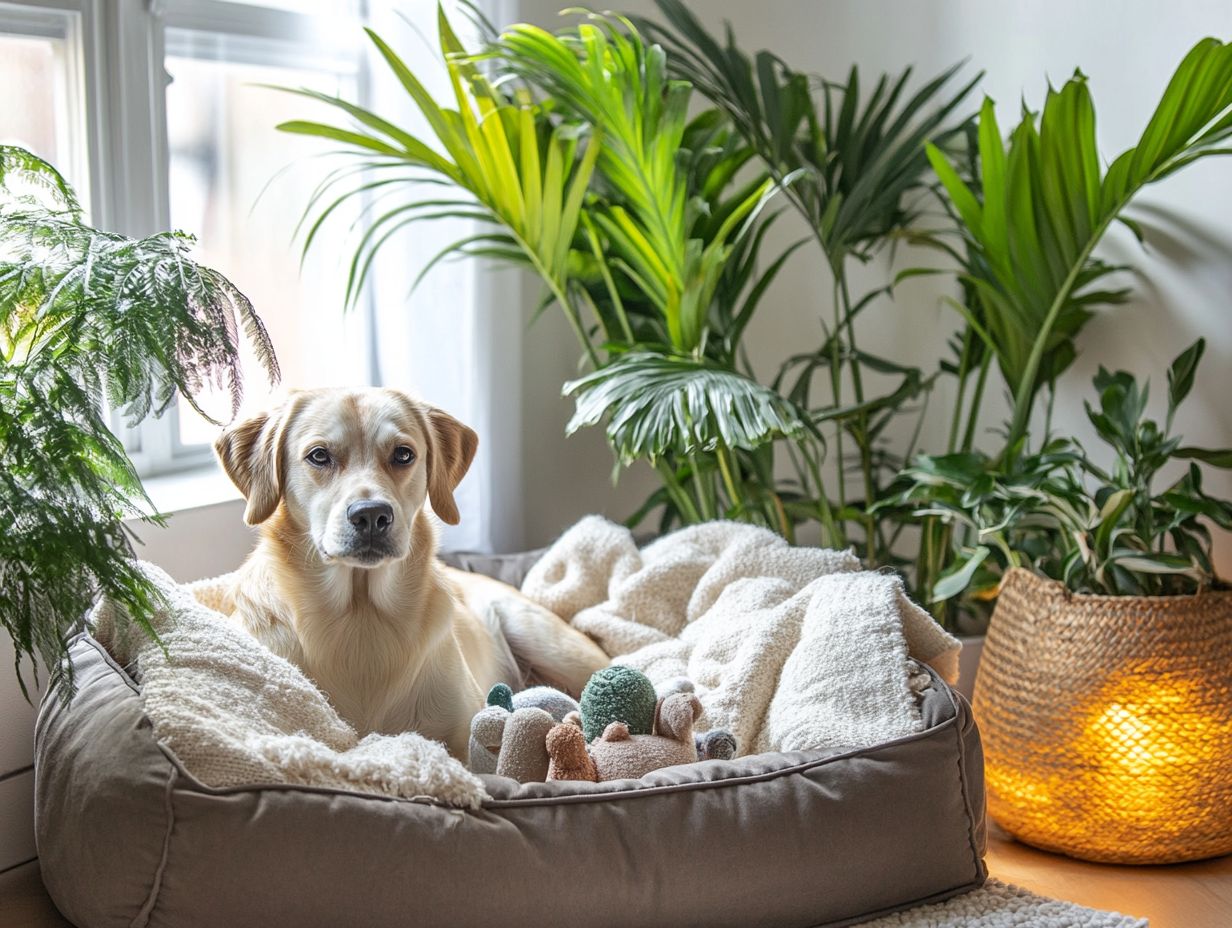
(370, 523)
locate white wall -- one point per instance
(1128, 49)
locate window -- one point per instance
(40, 70)
(166, 108)
(231, 182)
(156, 111)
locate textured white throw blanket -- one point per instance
(789, 648)
(236, 714)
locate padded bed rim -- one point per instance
(630, 792)
(957, 718)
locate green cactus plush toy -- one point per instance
(618, 694)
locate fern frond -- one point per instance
(90, 319)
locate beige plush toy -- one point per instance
(523, 750)
(617, 754)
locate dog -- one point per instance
(344, 580)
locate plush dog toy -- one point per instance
(568, 757)
(717, 744)
(618, 754)
(514, 734)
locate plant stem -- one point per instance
(679, 497)
(702, 490)
(963, 373)
(871, 551)
(725, 469)
(1024, 395)
(575, 322)
(838, 538)
(836, 389)
(976, 399)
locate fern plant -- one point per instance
(90, 320)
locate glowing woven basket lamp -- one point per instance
(1107, 722)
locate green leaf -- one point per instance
(1031, 268)
(1181, 375)
(1221, 457)
(657, 404)
(954, 581)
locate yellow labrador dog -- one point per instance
(344, 581)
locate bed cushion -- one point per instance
(127, 837)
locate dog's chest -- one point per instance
(368, 666)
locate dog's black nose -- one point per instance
(372, 517)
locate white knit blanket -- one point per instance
(789, 648)
(235, 714)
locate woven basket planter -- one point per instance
(1107, 722)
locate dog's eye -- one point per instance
(403, 455)
(318, 457)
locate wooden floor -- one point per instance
(1195, 895)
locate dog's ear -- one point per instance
(449, 458)
(250, 454)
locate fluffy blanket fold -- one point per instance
(790, 648)
(236, 714)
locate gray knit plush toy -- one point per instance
(488, 725)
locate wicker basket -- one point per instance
(1107, 722)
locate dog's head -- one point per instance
(351, 468)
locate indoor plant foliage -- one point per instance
(90, 320)
(582, 165)
(1030, 211)
(572, 152)
(858, 173)
(1104, 684)
(654, 262)
(1096, 529)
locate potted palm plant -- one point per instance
(1030, 211)
(90, 322)
(1103, 690)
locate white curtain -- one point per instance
(456, 341)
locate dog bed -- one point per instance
(127, 837)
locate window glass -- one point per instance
(241, 187)
(38, 112)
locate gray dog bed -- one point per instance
(127, 837)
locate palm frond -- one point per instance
(657, 405)
(1042, 202)
(520, 174)
(858, 158)
(605, 75)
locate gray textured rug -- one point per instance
(1000, 905)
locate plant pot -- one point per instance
(1107, 722)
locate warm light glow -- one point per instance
(1139, 758)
